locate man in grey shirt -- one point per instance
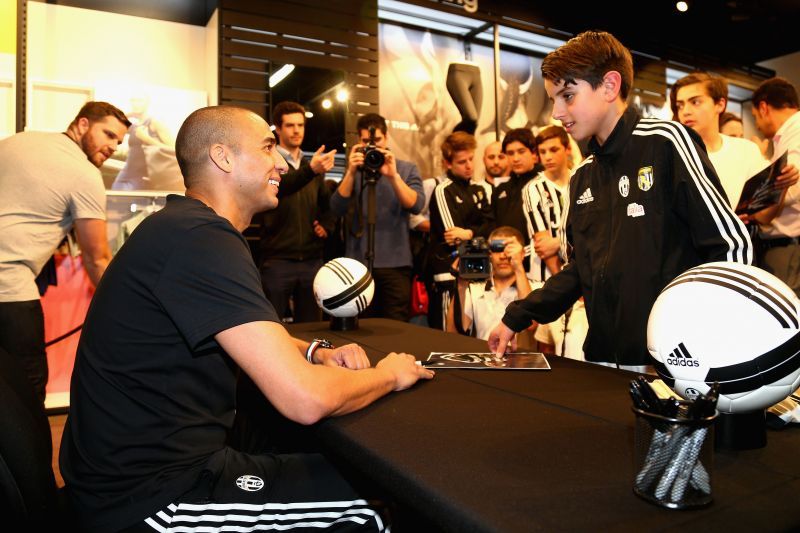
(49, 184)
(398, 193)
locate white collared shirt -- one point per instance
(787, 223)
(486, 307)
(289, 158)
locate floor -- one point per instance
(57, 430)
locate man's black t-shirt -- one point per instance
(153, 394)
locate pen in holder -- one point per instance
(673, 458)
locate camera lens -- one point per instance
(475, 265)
(374, 159)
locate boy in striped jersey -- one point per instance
(545, 199)
(645, 206)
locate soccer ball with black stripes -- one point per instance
(343, 287)
(731, 323)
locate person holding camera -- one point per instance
(460, 211)
(398, 193)
(482, 303)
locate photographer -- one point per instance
(460, 210)
(398, 193)
(484, 302)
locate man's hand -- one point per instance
(348, 356)
(405, 369)
(546, 246)
(356, 158)
(322, 162)
(515, 253)
(319, 231)
(455, 234)
(389, 167)
(500, 339)
(788, 177)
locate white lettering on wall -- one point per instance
(470, 6)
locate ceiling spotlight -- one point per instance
(280, 74)
(326, 104)
(309, 114)
(342, 95)
(683, 7)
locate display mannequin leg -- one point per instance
(464, 86)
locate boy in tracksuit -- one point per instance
(460, 210)
(645, 206)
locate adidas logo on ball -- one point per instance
(680, 357)
(343, 287)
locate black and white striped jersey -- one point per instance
(544, 203)
(644, 208)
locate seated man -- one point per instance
(483, 303)
(179, 311)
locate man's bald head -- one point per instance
(202, 129)
(494, 160)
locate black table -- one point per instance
(534, 450)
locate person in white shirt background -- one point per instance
(775, 109)
(483, 303)
(697, 101)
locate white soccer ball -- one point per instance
(732, 323)
(343, 287)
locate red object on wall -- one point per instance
(65, 307)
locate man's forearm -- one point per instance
(553, 264)
(523, 285)
(547, 303)
(95, 267)
(345, 188)
(405, 194)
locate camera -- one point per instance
(474, 261)
(497, 245)
(373, 157)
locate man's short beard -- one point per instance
(498, 174)
(87, 149)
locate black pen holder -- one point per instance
(673, 460)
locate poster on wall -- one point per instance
(428, 87)
(146, 161)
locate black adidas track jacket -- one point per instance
(643, 208)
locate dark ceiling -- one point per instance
(737, 32)
(733, 32)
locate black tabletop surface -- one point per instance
(488, 450)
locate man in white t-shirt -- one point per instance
(50, 183)
(483, 303)
(697, 101)
(775, 109)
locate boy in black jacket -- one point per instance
(644, 206)
(460, 210)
